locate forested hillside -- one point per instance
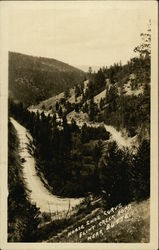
(32, 79)
(118, 95)
(126, 100)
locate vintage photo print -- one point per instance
(79, 151)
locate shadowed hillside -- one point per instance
(32, 79)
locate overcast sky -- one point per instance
(79, 33)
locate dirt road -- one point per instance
(46, 201)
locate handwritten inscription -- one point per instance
(96, 226)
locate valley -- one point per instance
(33, 79)
(79, 145)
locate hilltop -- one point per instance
(33, 79)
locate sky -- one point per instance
(81, 34)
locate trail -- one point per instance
(46, 201)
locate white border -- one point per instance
(4, 118)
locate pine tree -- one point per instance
(60, 112)
(91, 111)
(57, 106)
(140, 172)
(114, 176)
(54, 119)
(97, 153)
(144, 49)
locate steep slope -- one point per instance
(32, 79)
(119, 224)
(48, 103)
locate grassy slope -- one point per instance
(51, 102)
(133, 228)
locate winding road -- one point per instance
(46, 201)
(40, 195)
(115, 135)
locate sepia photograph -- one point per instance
(79, 124)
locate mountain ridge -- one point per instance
(45, 58)
(33, 79)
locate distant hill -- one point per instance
(33, 79)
